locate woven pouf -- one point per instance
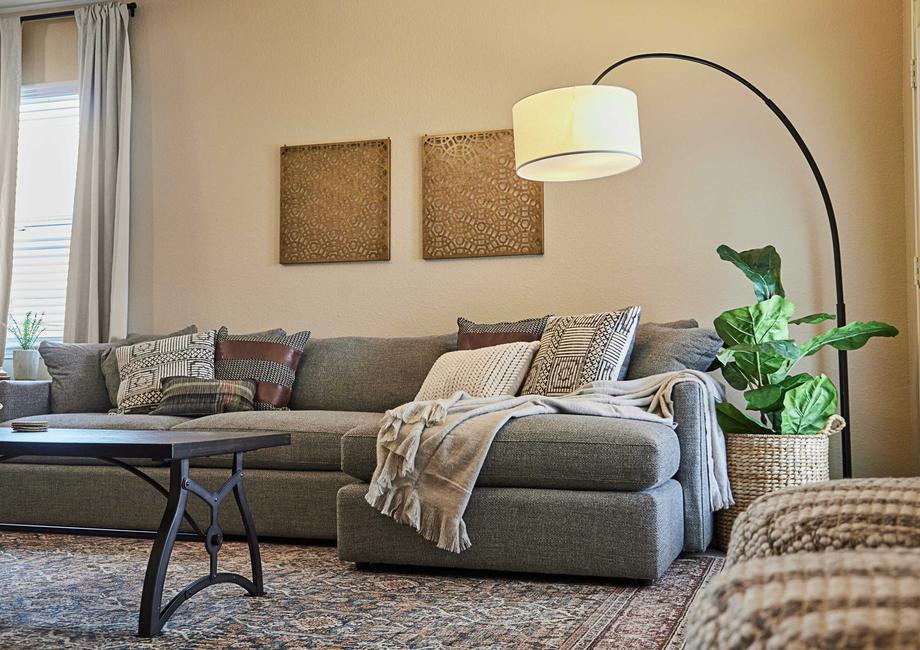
(845, 599)
(760, 464)
(849, 514)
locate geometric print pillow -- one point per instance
(142, 366)
(271, 360)
(576, 350)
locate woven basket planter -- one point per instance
(758, 464)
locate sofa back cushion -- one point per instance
(77, 382)
(365, 374)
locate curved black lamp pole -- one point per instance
(831, 219)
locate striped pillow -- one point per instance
(268, 359)
(471, 336)
(486, 372)
(193, 396)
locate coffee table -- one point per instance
(176, 448)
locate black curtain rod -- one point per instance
(64, 14)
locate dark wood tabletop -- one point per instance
(111, 443)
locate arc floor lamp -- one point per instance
(585, 132)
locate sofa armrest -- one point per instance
(693, 473)
(24, 398)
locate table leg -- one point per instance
(255, 558)
(153, 615)
(150, 619)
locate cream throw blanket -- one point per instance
(429, 453)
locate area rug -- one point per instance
(64, 591)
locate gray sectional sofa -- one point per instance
(558, 493)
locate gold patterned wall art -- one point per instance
(335, 202)
(473, 203)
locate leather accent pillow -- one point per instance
(486, 372)
(269, 360)
(193, 396)
(109, 363)
(471, 336)
(576, 350)
(77, 382)
(663, 348)
(144, 365)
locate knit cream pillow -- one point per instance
(484, 372)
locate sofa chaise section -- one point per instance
(558, 494)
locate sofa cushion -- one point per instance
(106, 421)
(315, 437)
(365, 374)
(577, 452)
(665, 348)
(77, 382)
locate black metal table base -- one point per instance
(153, 615)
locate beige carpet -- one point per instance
(83, 592)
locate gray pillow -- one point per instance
(110, 363)
(666, 347)
(77, 383)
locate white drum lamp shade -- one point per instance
(576, 133)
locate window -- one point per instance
(46, 177)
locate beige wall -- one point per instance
(49, 51)
(220, 86)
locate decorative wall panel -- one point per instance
(473, 203)
(335, 202)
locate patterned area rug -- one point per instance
(83, 592)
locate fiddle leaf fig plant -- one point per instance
(759, 354)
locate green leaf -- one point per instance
(851, 336)
(770, 398)
(812, 319)
(733, 375)
(807, 407)
(752, 325)
(765, 398)
(787, 349)
(731, 420)
(760, 265)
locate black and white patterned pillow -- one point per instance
(144, 365)
(576, 350)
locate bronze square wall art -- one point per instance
(335, 202)
(473, 204)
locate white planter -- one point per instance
(26, 364)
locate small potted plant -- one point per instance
(26, 360)
(786, 442)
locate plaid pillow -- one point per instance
(191, 396)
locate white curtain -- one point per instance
(97, 280)
(10, 85)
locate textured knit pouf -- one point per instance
(839, 599)
(837, 515)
